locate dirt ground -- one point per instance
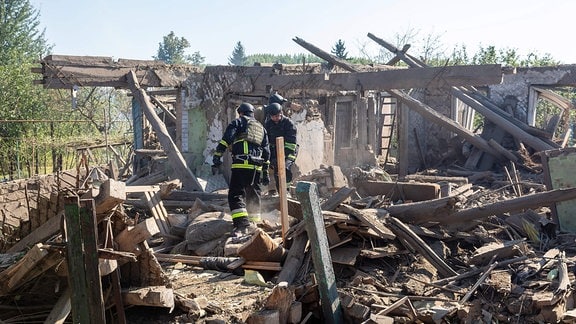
(229, 298)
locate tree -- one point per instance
(172, 51)
(283, 58)
(238, 56)
(196, 58)
(339, 50)
(22, 41)
(22, 44)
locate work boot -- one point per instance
(242, 227)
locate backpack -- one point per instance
(254, 132)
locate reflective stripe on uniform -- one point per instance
(223, 142)
(240, 212)
(246, 165)
(290, 146)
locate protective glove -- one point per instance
(265, 178)
(288, 163)
(216, 163)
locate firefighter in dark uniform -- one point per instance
(277, 125)
(248, 142)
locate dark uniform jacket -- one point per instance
(284, 128)
(243, 150)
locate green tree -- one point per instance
(22, 41)
(282, 58)
(196, 58)
(339, 50)
(238, 55)
(172, 50)
(22, 44)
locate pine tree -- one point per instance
(172, 51)
(238, 56)
(339, 50)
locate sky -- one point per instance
(133, 29)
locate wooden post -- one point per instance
(175, 158)
(87, 301)
(282, 186)
(307, 193)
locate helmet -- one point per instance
(276, 98)
(273, 109)
(246, 109)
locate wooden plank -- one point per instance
(51, 227)
(536, 200)
(77, 282)
(294, 258)
(84, 267)
(61, 309)
(262, 265)
(370, 218)
(162, 226)
(157, 201)
(282, 186)
(337, 198)
(345, 255)
(129, 239)
(34, 263)
(399, 190)
(332, 235)
(181, 170)
(395, 78)
(416, 244)
(111, 194)
(103, 71)
(423, 211)
(424, 110)
(482, 105)
(158, 296)
(432, 115)
(91, 260)
(132, 189)
(504, 123)
(307, 193)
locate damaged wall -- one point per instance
(429, 143)
(207, 105)
(26, 204)
(518, 85)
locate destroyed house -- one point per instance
(405, 119)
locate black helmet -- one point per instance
(246, 109)
(276, 98)
(273, 109)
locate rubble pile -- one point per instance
(474, 253)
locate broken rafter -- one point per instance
(413, 242)
(189, 181)
(424, 110)
(529, 201)
(490, 112)
(64, 72)
(399, 78)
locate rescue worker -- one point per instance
(276, 98)
(277, 125)
(248, 142)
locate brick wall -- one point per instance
(26, 204)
